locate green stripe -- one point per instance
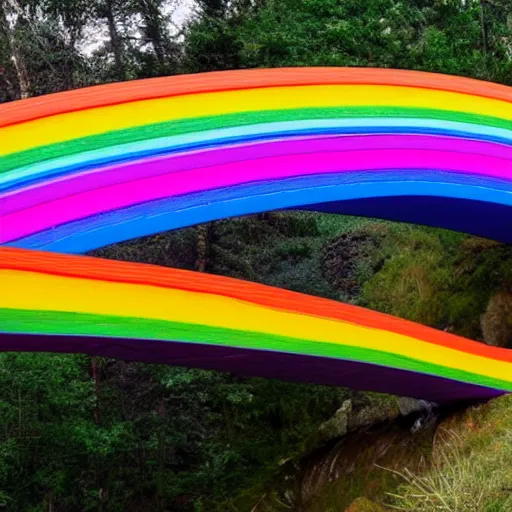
(80, 324)
(183, 126)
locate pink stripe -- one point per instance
(75, 183)
(48, 215)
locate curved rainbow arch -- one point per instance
(87, 168)
(68, 303)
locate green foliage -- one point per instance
(192, 434)
(446, 37)
(43, 403)
(283, 251)
(438, 278)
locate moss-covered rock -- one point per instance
(364, 505)
(497, 320)
(352, 258)
(334, 427)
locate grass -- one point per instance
(471, 467)
(359, 461)
(331, 225)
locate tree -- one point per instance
(10, 16)
(164, 57)
(109, 10)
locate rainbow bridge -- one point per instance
(83, 169)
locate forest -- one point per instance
(81, 433)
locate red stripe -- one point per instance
(123, 92)
(143, 274)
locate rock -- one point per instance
(373, 414)
(408, 405)
(333, 428)
(412, 405)
(346, 420)
(497, 320)
(364, 505)
(336, 426)
(350, 255)
(427, 412)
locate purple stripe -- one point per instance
(173, 183)
(74, 183)
(269, 364)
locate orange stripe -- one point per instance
(136, 90)
(136, 273)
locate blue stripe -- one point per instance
(304, 192)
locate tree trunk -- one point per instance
(6, 83)
(103, 491)
(115, 41)
(160, 480)
(50, 502)
(202, 245)
(154, 29)
(10, 7)
(95, 376)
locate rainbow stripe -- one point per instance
(87, 168)
(71, 303)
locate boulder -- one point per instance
(408, 406)
(333, 428)
(337, 426)
(372, 414)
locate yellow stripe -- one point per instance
(28, 290)
(89, 122)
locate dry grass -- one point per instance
(462, 478)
